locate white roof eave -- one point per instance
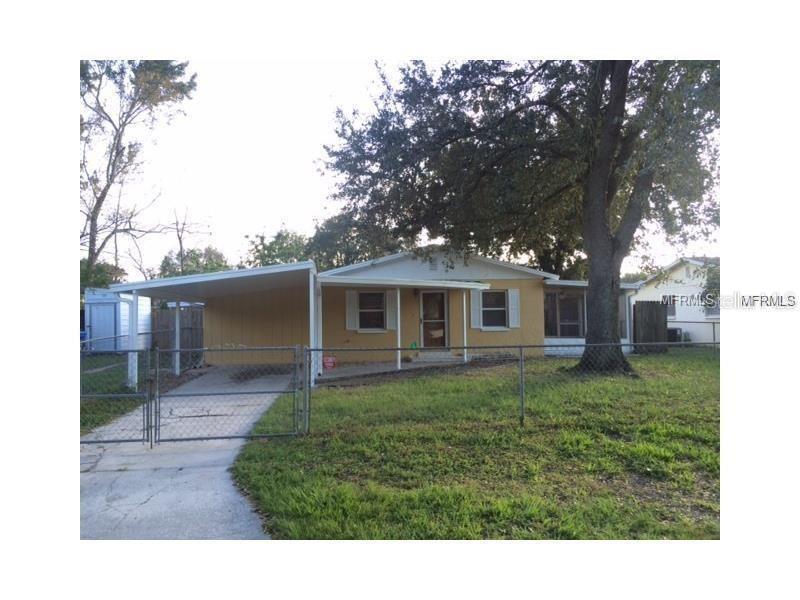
(343, 280)
(167, 282)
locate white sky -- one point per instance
(245, 156)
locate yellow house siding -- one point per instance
(274, 317)
(531, 326)
(336, 335)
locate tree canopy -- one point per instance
(284, 247)
(544, 158)
(101, 276)
(343, 240)
(195, 260)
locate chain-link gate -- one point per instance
(157, 395)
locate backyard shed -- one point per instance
(107, 320)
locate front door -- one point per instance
(434, 320)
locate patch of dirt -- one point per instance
(256, 371)
(169, 382)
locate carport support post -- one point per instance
(397, 309)
(133, 342)
(464, 321)
(176, 356)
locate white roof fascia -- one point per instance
(582, 284)
(399, 255)
(206, 277)
(411, 283)
(366, 263)
(515, 267)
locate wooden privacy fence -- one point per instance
(649, 326)
(163, 323)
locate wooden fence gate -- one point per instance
(163, 323)
(649, 326)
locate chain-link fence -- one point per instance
(521, 380)
(224, 393)
(266, 392)
(114, 395)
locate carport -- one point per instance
(259, 307)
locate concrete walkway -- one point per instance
(178, 490)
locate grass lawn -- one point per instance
(105, 373)
(443, 456)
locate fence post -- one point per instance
(301, 416)
(149, 397)
(157, 397)
(521, 386)
(296, 386)
(177, 343)
(307, 408)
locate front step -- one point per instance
(435, 356)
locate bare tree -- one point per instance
(116, 96)
(182, 227)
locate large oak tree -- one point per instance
(542, 157)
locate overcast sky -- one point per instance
(245, 156)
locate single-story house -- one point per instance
(397, 301)
(680, 285)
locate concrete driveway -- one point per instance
(177, 490)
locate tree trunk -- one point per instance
(602, 314)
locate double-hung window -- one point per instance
(494, 307)
(371, 310)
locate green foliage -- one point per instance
(712, 273)
(284, 247)
(101, 276)
(195, 260)
(344, 240)
(634, 277)
(442, 456)
(497, 157)
(338, 241)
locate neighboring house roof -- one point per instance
(580, 283)
(697, 261)
(393, 257)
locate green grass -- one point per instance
(443, 456)
(105, 373)
(101, 411)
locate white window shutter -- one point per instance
(391, 309)
(351, 307)
(513, 308)
(475, 308)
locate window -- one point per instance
(564, 315)
(494, 309)
(670, 302)
(371, 310)
(622, 314)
